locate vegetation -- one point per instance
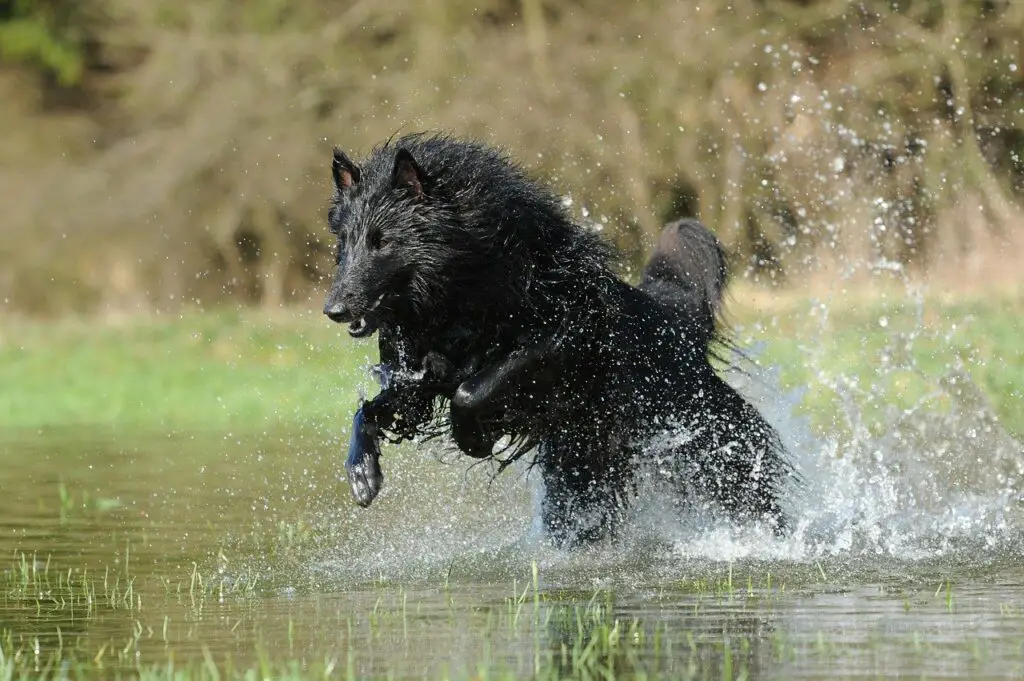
(50, 36)
(198, 370)
(73, 623)
(185, 143)
(257, 370)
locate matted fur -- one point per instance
(476, 275)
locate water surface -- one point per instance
(125, 550)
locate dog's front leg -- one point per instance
(439, 375)
(494, 395)
(531, 371)
(522, 373)
(402, 406)
(362, 465)
(401, 412)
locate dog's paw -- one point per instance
(362, 466)
(365, 479)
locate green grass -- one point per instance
(117, 623)
(595, 641)
(198, 370)
(891, 354)
(246, 370)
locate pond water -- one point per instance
(211, 554)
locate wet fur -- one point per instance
(502, 309)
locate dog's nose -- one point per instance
(338, 312)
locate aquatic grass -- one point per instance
(948, 586)
(579, 638)
(32, 582)
(595, 641)
(70, 502)
(7, 667)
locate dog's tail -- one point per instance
(688, 271)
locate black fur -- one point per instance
(688, 270)
(473, 232)
(488, 296)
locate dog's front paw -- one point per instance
(362, 466)
(365, 479)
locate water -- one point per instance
(153, 552)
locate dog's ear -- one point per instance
(345, 172)
(407, 174)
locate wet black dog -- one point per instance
(489, 299)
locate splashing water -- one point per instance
(938, 480)
(930, 484)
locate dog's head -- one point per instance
(391, 241)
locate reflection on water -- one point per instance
(123, 550)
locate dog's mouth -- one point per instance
(363, 326)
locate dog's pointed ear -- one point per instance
(407, 173)
(345, 172)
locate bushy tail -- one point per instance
(688, 272)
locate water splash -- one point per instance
(938, 479)
(941, 478)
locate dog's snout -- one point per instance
(338, 312)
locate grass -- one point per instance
(68, 623)
(890, 352)
(594, 641)
(248, 370)
(197, 370)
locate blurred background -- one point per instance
(158, 154)
(175, 409)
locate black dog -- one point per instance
(489, 297)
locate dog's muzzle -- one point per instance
(338, 312)
(358, 327)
